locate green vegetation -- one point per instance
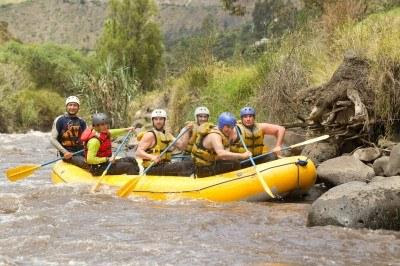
(218, 86)
(109, 90)
(50, 66)
(223, 70)
(133, 39)
(33, 80)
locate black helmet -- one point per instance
(99, 118)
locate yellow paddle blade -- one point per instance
(264, 184)
(20, 172)
(126, 189)
(309, 141)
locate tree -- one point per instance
(272, 17)
(133, 39)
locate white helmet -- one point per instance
(159, 113)
(72, 99)
(201, 110)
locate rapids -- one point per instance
(44, 224)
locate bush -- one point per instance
(50, 66)
(36, 109)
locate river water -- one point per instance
(44, 224)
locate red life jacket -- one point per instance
(105, 142)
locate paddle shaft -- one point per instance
(310, 141)
(131, 184)
(164, 151)
(56, 160)
(261, 179)
(97, 185)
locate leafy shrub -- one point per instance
(109, 90)
(36, 109)
(49, 65)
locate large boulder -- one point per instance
(375, 205)
(393, 166)
(380, 165)
(367, 154)
(388, 165)
(320, 152)
(344, 169)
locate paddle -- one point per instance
(260, 178)
(23, 171)
(129, 186)
(310, 141)
(96, 186)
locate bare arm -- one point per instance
(215, 141)
(184, 140)
(274, 130)
(54, 136)
(145, 143)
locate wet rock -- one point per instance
(380, 165)
(393, 166)
(320, 152)
(375, 205)
(315, 192)
(344, 169)
(367, 154)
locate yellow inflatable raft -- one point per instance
(282, 176)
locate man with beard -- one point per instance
(66, 132)
(153, 142)
(211, 152)
(253, 135)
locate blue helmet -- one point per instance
(226, 119)
(247, 111)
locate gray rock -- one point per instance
(367, 154)
(393, 166)
(320, 152)
(344, 169)
(357, 204)
(315, 192)
(380, 165)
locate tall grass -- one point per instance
(219, 87)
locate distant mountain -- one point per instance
(79, 22)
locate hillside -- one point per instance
(79, 22)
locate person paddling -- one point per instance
(153, 142)
(211, 153)
(201, 115)
(98, 148)
(253, 136)
(66, 132)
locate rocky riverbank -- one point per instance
(364, 190)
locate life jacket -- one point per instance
(105, 149)
(201, 155)
(192, 137)
(163, 140)
(253, 138)
(69, 130)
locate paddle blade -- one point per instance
(310, 141)
(126, 189)
(20, 172)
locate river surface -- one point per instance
(44, 224)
